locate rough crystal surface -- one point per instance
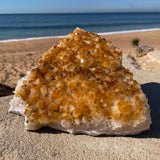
(80, 81)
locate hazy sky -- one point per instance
(63, 6)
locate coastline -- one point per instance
(129, 31)
(17, 57)
(99, 33)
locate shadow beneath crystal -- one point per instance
(48, 130)
(5, 90)
(152, 91)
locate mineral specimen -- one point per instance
(80, 86)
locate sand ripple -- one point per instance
(13, 67)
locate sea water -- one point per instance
(22, 26)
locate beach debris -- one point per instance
(80, 86)
(130, 62)
(135, 42)
(141, 50)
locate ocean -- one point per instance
(22, 26)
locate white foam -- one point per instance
(129, 31)
(33, 38)
(104, 33)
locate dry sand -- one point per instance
(17, 144)
(17, 57)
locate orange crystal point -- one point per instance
(81, 80)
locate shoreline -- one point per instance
(99, 33)
(17, 57)
(129, 31)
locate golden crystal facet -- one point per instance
(81, 79)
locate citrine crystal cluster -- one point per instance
(80, 81)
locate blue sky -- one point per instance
(63, 6)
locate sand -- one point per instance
(17, 57)
(17, 144)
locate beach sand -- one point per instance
(15, 143)
(17, 57)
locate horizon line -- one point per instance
(85, 12)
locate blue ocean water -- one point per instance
(20, 26)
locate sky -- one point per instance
(76, 6)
